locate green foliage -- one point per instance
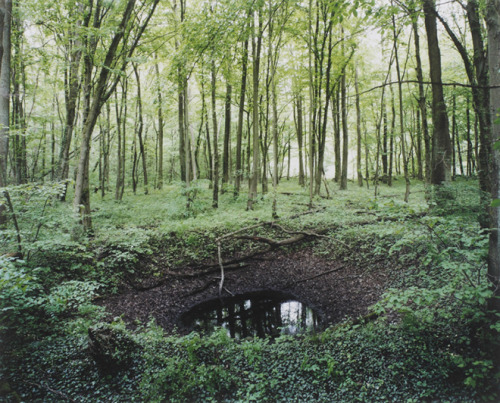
(435, 338)
(187, 367)
(20, 295)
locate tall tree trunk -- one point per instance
(391, 140)
(345, 136)
(160, 130)
(401, 115)
(300, 140)
(189, 140)
(182, 135)
(358, 130)
(140, 130)
(482, 106)
(207, 133)
(441, 144)
(336, 134)
(385, 150)
(227, 136)
(241, 111)
(421, 96)
(470, 148)
(121, 118)
(71, 93)
(493, 21)
(215, 197)
(453, 137)
(5, 28)
(312, 106)
(256, 50)
(18, 70)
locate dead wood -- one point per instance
(238, 263)
(302, 280)
(200, 289)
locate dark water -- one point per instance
(258, 314)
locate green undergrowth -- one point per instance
(434, 339)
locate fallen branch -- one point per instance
(199, 289)
(261, 224)
(316, 276)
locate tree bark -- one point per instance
(300, 140)
(140, 130)
(358, 130)
(421, 97)
(493, 21)
(5, 28)
(401, 114)
(256, 50)
(241, 111)
(160, 130)
(227, 136)
(441, 144)
(215, 182)
(345, 136)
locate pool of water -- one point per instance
(258, 314)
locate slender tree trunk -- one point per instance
(18, 70)
(401, 115)
(140, 130)
(300, 140)
(391, 140)
(182, 135)
(345, 136)
(421, 97)
(336, 134)
(256, 50)
(453, 137)
(215, 197)
(71, 93)
(5, 44)
(470, 148)
(160, 130)
(274, 128)
(367, 155)
(227, 136)
(189, 140)
(385, 151)
(241, 111)
(358, 130)
(420, 167)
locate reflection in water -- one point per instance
(253, 315)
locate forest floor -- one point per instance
(98, 318)
(335, 290)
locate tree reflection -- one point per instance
(259, 314)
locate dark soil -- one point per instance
(340, 294)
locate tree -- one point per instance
(441, 144)
(120, 49)
(256, 50)
(5, 27)
(493, 20)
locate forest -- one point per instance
(249, 200)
